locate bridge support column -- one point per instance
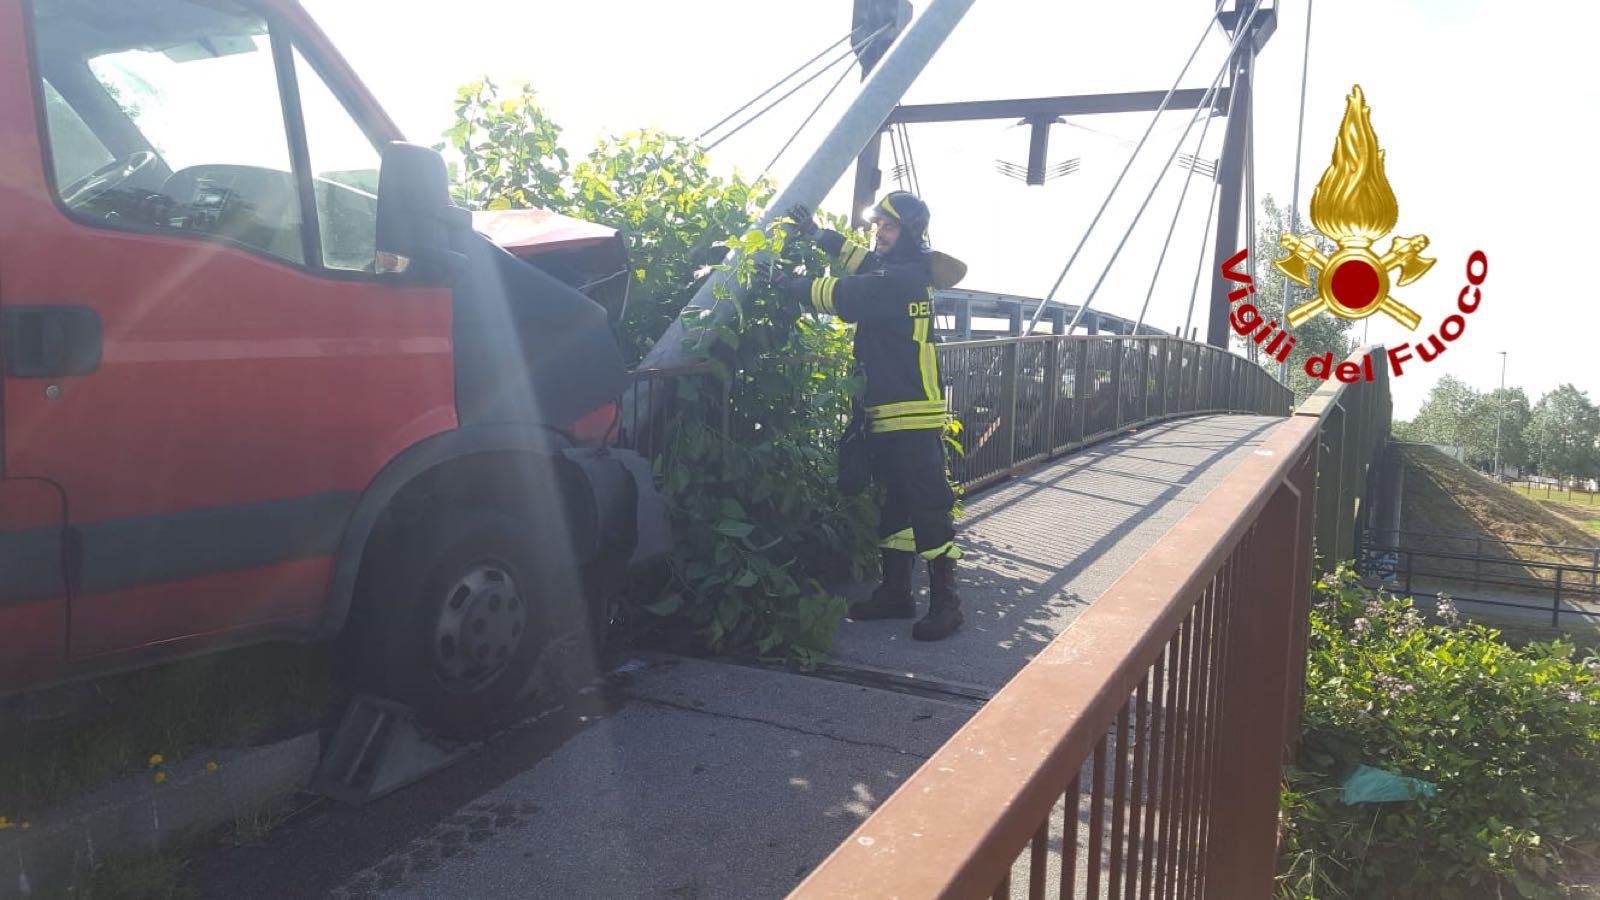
(868, 178)
(1230, 178)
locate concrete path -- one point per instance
(722, 780)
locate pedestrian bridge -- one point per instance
(1139, 530)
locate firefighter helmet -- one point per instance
(909, 212)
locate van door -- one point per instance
(33, 593)
(215, 371)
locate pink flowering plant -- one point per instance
(1509, 734)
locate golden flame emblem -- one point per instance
(1354, 205)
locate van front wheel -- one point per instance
(449, 622)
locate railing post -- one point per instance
(1477, 563)
(1145, 381)
(1117, 349)
(1166, 368)
(1555, 608)
(1260, 640)
(1080, 386)
(1052, 389)
(1008, 403)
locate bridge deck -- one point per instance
(720, 780)
(1044, 546)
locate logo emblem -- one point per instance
(1354, 205)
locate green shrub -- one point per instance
(1511, 736)
(748, 465)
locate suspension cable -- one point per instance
(894, 151)
(1206, 101)
(1118, 183)
(1182, 195)
(1294, 202)
(772, 87)
(911, 160)
(1210, 213)
(792, 91)
(1205, 233)
(843, 74)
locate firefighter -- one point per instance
(887, 294)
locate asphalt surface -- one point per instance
(698, 779)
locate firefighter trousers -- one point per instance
(918, 502)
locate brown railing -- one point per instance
(1139, 754)
(1354, 427)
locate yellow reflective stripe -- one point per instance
(900, 540)
(890, 207)
(948, 548)
(889, 410)
(907, 423)
(929, 363)
(822, 294)
(851, 257)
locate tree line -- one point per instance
(1559, 436)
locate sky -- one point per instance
(1484, 107)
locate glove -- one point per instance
(804, 225)
(792, 287)
(795, 287)
(766, 275)
(773, 277)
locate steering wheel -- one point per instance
(107, 177)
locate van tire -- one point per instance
(450, 617)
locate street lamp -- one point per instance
(1499, 413)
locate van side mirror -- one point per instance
(416, 220)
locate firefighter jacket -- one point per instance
(890, 301)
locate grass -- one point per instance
(1541, 492)
(1581, 510)
(112, 727)
(1443, 495)
(153, 877)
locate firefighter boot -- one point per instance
(892, 598)
(944, 605)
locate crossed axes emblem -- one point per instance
(1365, 297)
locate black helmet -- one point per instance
(912, 215)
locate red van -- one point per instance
(260, 380)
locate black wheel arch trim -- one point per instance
(616, 483)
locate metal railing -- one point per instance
(1021, 400)
(1353, 429)
(1024, 399)
(1140, 753)
(1511, 572)
(1554, 491)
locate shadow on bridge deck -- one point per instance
(1042, 547)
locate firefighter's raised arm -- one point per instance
(890, 292)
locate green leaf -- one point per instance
(667, 605)
(734, 528)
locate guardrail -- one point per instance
(1553, 491)
(1021, 400)
(1139, 754)
(1572, 582)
